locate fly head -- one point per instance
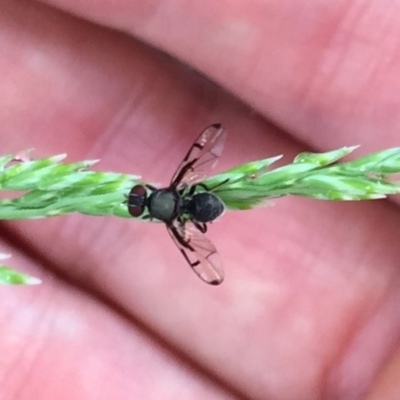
(137, 200)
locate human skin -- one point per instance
(310, 305)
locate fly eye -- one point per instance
(138, 191)
(135, 211)
(136, 200)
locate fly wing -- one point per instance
(198, 251)
(201, 157)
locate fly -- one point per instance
(184, 208)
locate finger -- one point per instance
(57, 342)
(319, 71)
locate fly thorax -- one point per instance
(163, 204)
(204, 207)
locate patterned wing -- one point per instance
(201, 157)
(198, 251)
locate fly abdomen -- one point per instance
(204, 207)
